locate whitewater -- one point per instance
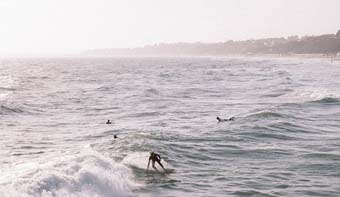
(283, 141)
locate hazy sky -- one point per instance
(34, 26)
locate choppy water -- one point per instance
(284, 141)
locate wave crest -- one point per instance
(265, 114)
(86, 175)
(328, 100)
(311, 95)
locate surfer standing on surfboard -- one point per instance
(155, 157)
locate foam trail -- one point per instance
(81, 175)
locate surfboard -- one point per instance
(139, 163)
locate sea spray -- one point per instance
(83, 174)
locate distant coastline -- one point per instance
(327, 45)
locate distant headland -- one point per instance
(327, 45)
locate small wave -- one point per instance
(152, 92)
(25, 147)
(323, 156)
(81, 175)
(7, 89)
(23, 108)
(8, 110)
(265, 114)
(104, 88)
(272, 95)
(289, 127)
(327, 100)
(251, 193)
(281, 72)
(311, 95)
(165, 75)
(144, 114)
(264, 135)
(27, 153)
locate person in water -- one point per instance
(108, 122)
(223, 120)
(154, 157)
(115, 137)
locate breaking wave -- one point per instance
(80, 175)
(309, 95)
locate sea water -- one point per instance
(284, 140)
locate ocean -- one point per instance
(284, 139)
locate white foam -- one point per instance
(79, 175)
(310, 94)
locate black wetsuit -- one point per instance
(223, 120)
(155, 158)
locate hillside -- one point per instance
(328, 44)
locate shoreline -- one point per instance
(66, 56)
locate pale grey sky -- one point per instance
(47, 26)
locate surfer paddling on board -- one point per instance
(223, 120)
(155, 157)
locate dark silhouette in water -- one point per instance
(154, 157)
(108, 122)
(223, 120)
(115, 137)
